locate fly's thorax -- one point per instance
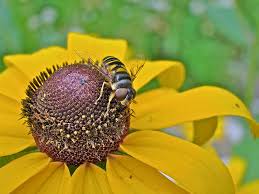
(64, 119)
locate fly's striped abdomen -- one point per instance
(120, 79)
(122, 84)
(112, 62)
(118, 71)
(121, 76)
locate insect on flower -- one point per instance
(119, 79)
(67, 128)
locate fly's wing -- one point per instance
(105, 73)
(96, 64)
(86, 58)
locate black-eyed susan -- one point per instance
(68, 127)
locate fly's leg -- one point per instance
(112, 95)
(101, 92)
(132, 113)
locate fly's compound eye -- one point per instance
(121, 93)
(133, 93)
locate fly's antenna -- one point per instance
(134, 71)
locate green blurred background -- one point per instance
(218, 40)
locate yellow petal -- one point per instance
(90, 179)
(11, 145)
(202, 135)
(96, 48)
(33, 64)
(153, 109)
(169, 73)
(14, 134)
(11, 125)
(196, 169)
(18, 171)
(163, 108)
(250, 188)
(9, 105)
(237, 168)
(211, 149)
(146, 107)
(219, 133)
(55, 178)
(128, 175)
(204, 129)
(13, 83)
(188, 131)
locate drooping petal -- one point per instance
(204, 129)
(10, 78)
(55, 178)
(219, 133)
(196, 169)
(33, 64)
(96, 48)
(128, 175)
(250, 188)
(200, 131)
(90, 179)
(163, 108)
(169, 73)
(186, 129)
(20, 170)
(237, 167)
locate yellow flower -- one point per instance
(149, 152)
(237, 167)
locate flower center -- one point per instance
(65, 120)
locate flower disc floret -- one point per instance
(65, 120)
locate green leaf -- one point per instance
(250, 10)
(182, 31)
(248, 149)
(6, 159)
(206, 60)
(227, 22)
(10, 37)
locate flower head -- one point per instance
(69, 125)
(67, 122)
